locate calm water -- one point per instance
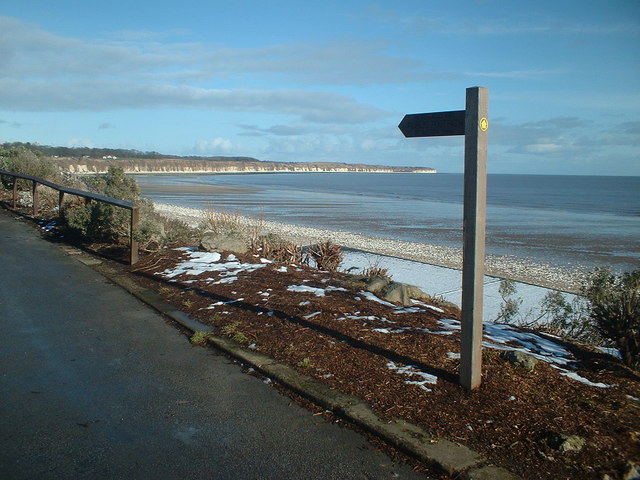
(577, 221)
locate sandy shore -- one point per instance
(503, 266)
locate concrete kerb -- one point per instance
(452, 458)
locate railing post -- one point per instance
(14, 202)
(60, 200)
(36, 198)
(133, 234)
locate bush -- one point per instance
(99, 221)
(570, 319)
(509, 307)
(23, 160)
(275, 248)
(224, 223)
(615, 309)
(557, 315)
(174, 232)
(328, 256)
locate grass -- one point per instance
(230, 328)
(305, 363)
(166, 291)
(240, 338)
(199, 338)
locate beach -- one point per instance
(502, 266)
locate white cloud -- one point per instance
(47, 72)
(101, 95)
(519, 74)
(216, 146)
(543, 148)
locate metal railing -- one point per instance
(88, 196)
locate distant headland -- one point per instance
(98, 160)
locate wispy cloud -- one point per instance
(465, 23)
(11, 124)
(94, 95)
(510, 26)
(519, 74)
(47, 72)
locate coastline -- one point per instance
(502, 266)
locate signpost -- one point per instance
(473, 124)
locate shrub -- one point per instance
(615, 309)
(99, 221)
(221, 222)
(23, 160)
(570, 319)
(557, 315)
(174, 231)
(275, 248)
(510, 306)
(375, 270)
(328, 256)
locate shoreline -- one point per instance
(501, 266)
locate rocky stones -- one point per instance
(631, 471)
(376, 284)
(213, 242)
(520, 359)
(565, 443)
(385, 288)
(396, 293)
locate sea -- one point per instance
(575, 222)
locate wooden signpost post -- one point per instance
(473, 124)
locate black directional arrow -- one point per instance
(440, 124)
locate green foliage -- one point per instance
(305, 363)
(606, 313)
(174, 231)
(240, 337)
(569, 319)
(199, 338)
(557, 315)
(99, 221)
(615, 309)
(77, 152)
(510, 306)
(22, 160)
(230, 328)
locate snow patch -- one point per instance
(318, 292)
(201, 262)
(580, 379)
(412, 371)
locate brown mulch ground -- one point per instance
(334, 339)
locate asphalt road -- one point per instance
(94, 384)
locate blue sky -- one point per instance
(327, 81)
